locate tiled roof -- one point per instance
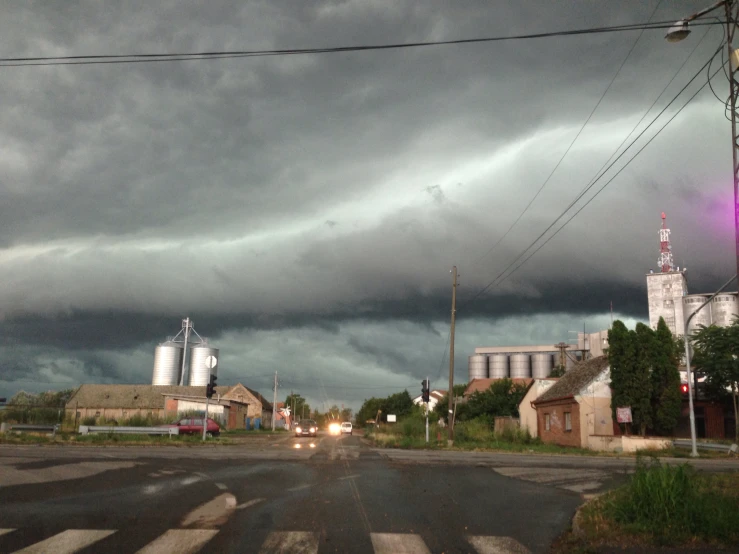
(575, 380)
(131, 396)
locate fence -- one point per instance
(686, 443)
(6, 427)
(115, 430)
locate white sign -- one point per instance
(623, 415)
(391, 418)
(211, 362)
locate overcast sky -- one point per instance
(305, 211)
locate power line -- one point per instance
(183, 56)
(498, 280)
(574, 140)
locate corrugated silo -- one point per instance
(498, 366)
(691, 303)
(478, 366)
(541, 365)
(203, 363)
(724, 308)
(520, 366)
(167, 364)
(570, 361)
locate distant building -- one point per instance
(435, 396)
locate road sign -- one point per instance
(391, 418)
(211, 362)
(623, 415)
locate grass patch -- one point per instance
(111, 439)
(665, 505)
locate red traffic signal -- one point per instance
(684, 388)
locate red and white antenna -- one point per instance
(665, 250)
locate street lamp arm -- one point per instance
(704, 11)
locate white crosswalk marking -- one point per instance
(398, 543)
(293, 542)
(68, 542)
(5, 531)
(182, 541)
(497, 545)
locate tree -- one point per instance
(558, 371)
(622, 361)
(399, 404)
(296, 404)
(717, 358)
(666, 395)
(641, 402)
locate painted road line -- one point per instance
(497, 545)
(68, 542)
(182, 541)
(191, 480)
(213, 513)
(300, 487)
(349, 477)
(152, 489)
(293, 542)
(398, 543)
(5, 531)
(249, 503)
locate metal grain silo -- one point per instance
(478, 366)
(498, 366)
(691, 303)
(203, 363)
(541, 365)
(167, 364)
(724, 308)
(570, 361)
(520, 366)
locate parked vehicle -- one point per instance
(334, 428)
(306, 428)
(346, 427)
(193, 426)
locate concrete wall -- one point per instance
(665, 292)
(603, 443)
(526, 412)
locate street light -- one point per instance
(679, 31)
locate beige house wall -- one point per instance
(526, 411)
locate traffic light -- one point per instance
(210, 389)
(684, 388)
(425, 390)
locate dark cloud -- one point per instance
(305, 210)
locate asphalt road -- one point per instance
(284, 495)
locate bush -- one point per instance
(675, 503)
(90, 420)
(475, 430)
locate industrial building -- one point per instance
(171, 357)
(667, 295)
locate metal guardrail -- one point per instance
(87, 429)
(31, 427)
(685, 443)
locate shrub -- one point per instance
(90, 420)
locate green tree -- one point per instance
(641, 404)
(558, 371)
(666, 396)
(399, 404)
(369, 408)
(717, 358)
(622, 362)
(298, 406)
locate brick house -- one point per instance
(577, 406)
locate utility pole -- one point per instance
(732, 13)
(205, 419)
(450, 440)
(274, 403)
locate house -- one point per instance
(526, 410)
(435, 396)
(121, 402)
(577, 406)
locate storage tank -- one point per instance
(167, 363)
(570, 361)
(724, 309)
(520, 366)
(478, 366)
(498, 366)
(203, 363)
(541, 365)
(691, 303)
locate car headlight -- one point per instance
(312, 430)
(298, 429)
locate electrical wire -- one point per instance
(183, 56)
(589, 186)
(572, 143)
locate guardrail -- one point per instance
(87, 429)
(29, 427)
(685, 443)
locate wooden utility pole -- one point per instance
(274, 403)
(451, 358)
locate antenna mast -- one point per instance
(665, 249)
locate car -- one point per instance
(334, 428)
(306, 428)
(346, 427)
(194, 426)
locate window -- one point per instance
(568, 421)
(547, 425)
